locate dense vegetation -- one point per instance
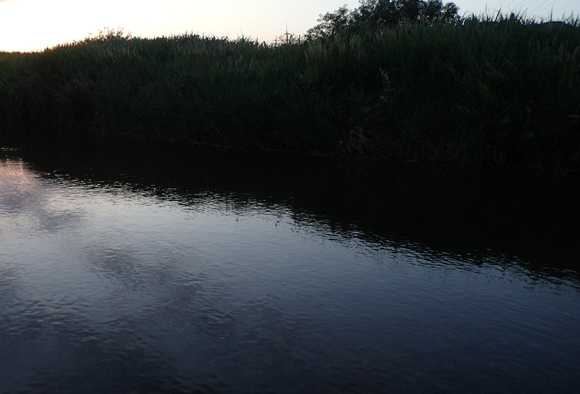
(500, 92)
(381, 14)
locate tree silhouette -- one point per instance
(384, 13)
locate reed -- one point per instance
(501, 92)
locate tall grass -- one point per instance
(499, 92)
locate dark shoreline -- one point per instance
(495, 95)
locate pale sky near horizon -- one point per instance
(28, 25)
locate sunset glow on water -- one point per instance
(199, 283)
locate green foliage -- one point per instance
(501, 92)
(380, 14)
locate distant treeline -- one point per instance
(501, 92)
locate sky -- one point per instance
(32, 25)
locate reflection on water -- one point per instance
(222, 275)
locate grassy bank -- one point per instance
(502, 93)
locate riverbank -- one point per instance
(501, 94)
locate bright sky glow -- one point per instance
(27, 25)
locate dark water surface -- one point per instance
(160, 271)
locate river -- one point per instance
(152, 270)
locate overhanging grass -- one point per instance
(501, 93)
